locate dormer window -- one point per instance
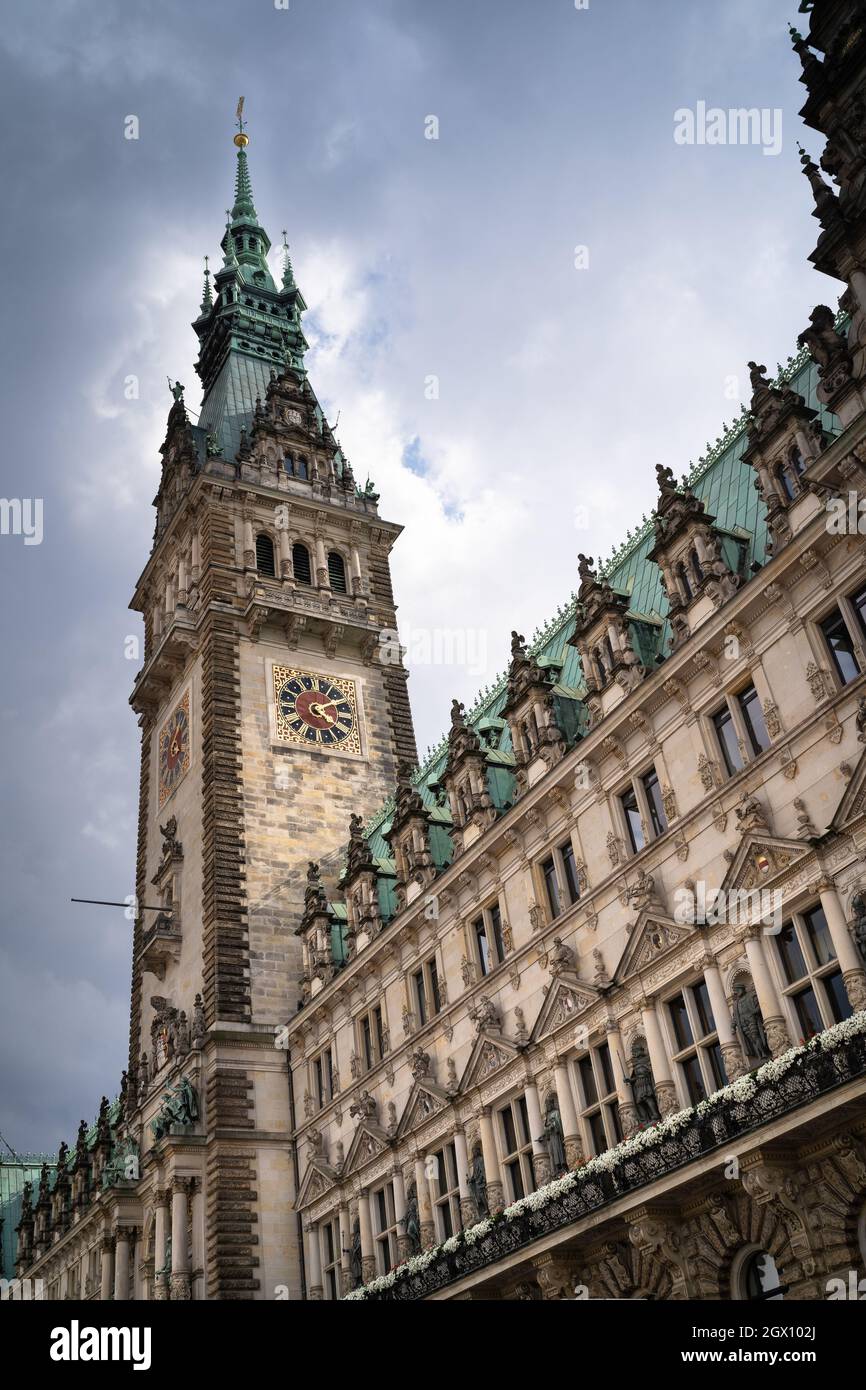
(688, 592)
(696, 567)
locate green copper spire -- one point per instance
(249, 327)
(244, 208)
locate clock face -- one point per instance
(174, 750)
(316, 711)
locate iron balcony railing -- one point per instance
(811, 1075)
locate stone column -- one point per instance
(540, 1156)
(286, 571)
(425, 1210)
(314, 1264)
(121, 1264)
(775, 1027)
(322, 579)
(198, 1237)
(666, 1091)
(345, 1248)
(735, 1063)
(467, 1208)
(368, 1258)
(106, 1287)
(404, 1245)
(249, 546)
(355, 570)
(179, 1276)
(627, 1110)
(181, 581)
(160, 1278)
(492, 1172)
(568, 1114)
(195, 557)
(853, 973)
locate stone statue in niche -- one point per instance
(643, 1084)
(553, 1137)
(747, 1018)
(858, 907)
(477, 1179)
(412, 1220)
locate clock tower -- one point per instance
(273, 706)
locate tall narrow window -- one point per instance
(301, 469)
(420, 997)
(812, 979)
(569, 867)
(301, 564)
(551, 885)
(628, 801)
(337, 572)
(516, 1144)
(654, 802)
(723, 723)
(265, 555)
(289, 464)
(841, 646)
(479, 927)
(496, 931)
(753, 718)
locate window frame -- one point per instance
(446, 1205)
(743, 724)
(604, 1103)
(495, 941)
(385, 1238)
(322, 1077)
(519, 1160)
(817, 972)
(702, 1045)
(370, 1027)
(332, 1269)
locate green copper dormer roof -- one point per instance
(725, 484)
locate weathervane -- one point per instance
(240, 139)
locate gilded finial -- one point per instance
(241, 140)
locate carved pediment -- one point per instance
(653, 935)
(369, 1141)
(425, 1099)
(853, 802)
(317, 1180)
(490, 1054)
(567, 998)
(760, 860)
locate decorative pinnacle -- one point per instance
(229, 258)
(288, 273)
(207, 297)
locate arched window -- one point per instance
(795, 459)
(289, 464)
(759, 1278)
(301, 563)
(301, 470)
(684, 581)
(265, 555)
(696, 567)
(337, 572)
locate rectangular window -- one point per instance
(569, 866)
(599, 1103)
(323, 1077)
(371, 1037)
(516, 1143)
(753, 719)
(420, 1000)
(790, 954)
(858, 603)
(446, 1192)
(435, 992)
(841, 647)
(331, 1251)
(496, 931)
(630, 809)
(811, 978)
(482, 949)
(384, 1228)
(726, 733)
(655, 804)
(696, 1049)
(551, 885)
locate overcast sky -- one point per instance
(560, 387)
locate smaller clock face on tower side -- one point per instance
(315, 710)
(174, 749)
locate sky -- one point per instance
(516, 321)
